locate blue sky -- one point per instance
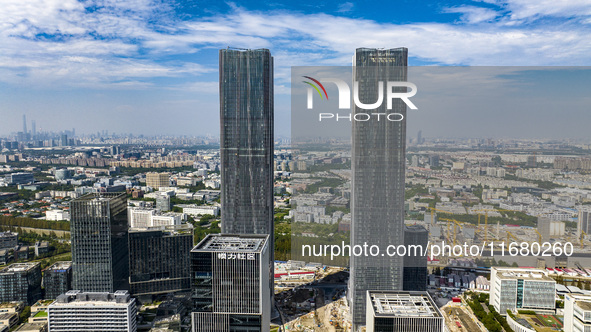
(150, 67)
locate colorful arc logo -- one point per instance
(315, 87)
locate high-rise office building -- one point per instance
(57, 279)
(25, 124)
(96, 312)
(157, 180)
(403, 312)
(20, 282)
(378, 169)
(98, 226)
(415, 263)
(246, 144)
(584, 222)
(159, 260)
(528, 289)
(230, 289)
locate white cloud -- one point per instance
(472, 14)
(102, 41)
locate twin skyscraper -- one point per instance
(232, 273)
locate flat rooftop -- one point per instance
(403, 304)
(585, 305)
(8, 234)
(98, 196)
(57, 266)
(19, 267)
(525, 274)
(232, 242)
(77, 298)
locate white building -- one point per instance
(142, 217)
(57, 215)
(514, 288)
(199, 210)
(577, 313)
(77, 311)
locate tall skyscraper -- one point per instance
(98, 226)
(246, 143)
(230, 283)
(378, 166)
(25, 124)
(33, 128)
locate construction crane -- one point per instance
(509, 237)
(539, 237)
(433, 210)
(456, 225)
(486, 219)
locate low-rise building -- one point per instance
(200, 210)
(528, 289)
(98, 312)
(8, 240)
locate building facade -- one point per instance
(584, 222)
(528, 289)
(230, 286)
(20, 282)
(8, 240)
(415, 263)
(378, 164)
(99, 230)
(159, 260)
(402, 312)
(246, 136)
(97, 312)
(156, 180)
(142, 217)
(577, 313)
(57, 279)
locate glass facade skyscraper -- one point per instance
(378, 167)
(246, 119)
(246, 144)
(99, 229)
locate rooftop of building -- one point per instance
(11, 304)
(171, 229)
(19, 267)
(232, 242)
(78, 298)
(60, 266)
(524, 274)
(99, 196)
(32, 327)
(585, 305)
(403, 304)
(7, 315)
(8, 234)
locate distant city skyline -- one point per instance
(152, 69)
